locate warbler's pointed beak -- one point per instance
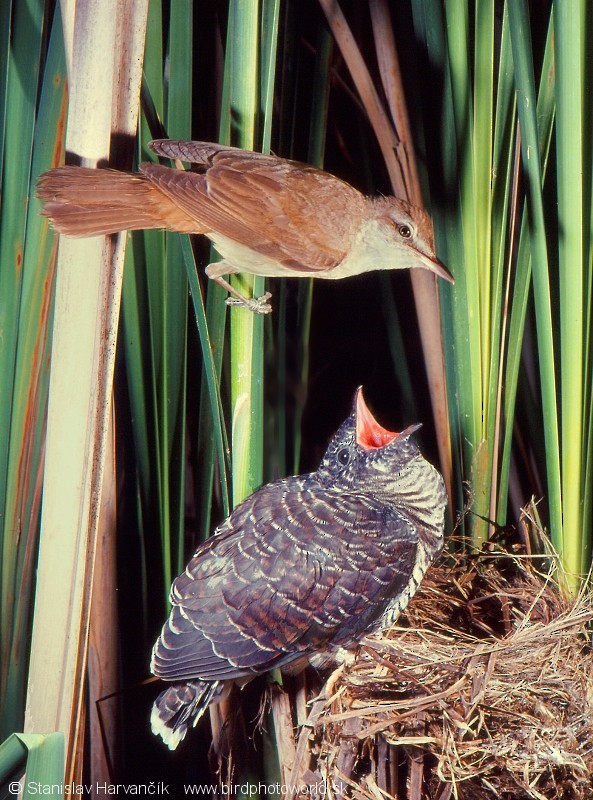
(434, 265)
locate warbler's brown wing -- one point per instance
(202, 154)
(295, 571)
(293, 213)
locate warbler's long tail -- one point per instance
(182, 705)
(93, 202)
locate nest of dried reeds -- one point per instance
(483, 689)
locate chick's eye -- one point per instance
(343, 456)
(405, 231)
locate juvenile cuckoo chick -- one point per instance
(302, 569)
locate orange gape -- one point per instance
(265, 215)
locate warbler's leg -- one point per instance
(258, 305)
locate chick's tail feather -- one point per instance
(182, 705)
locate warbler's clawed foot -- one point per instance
(258, 305)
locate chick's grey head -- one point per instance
(365, 458)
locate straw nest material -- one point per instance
(483, 689)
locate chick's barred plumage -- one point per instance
(305, 566)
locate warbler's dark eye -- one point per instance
(343, 456)
(405, 231)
